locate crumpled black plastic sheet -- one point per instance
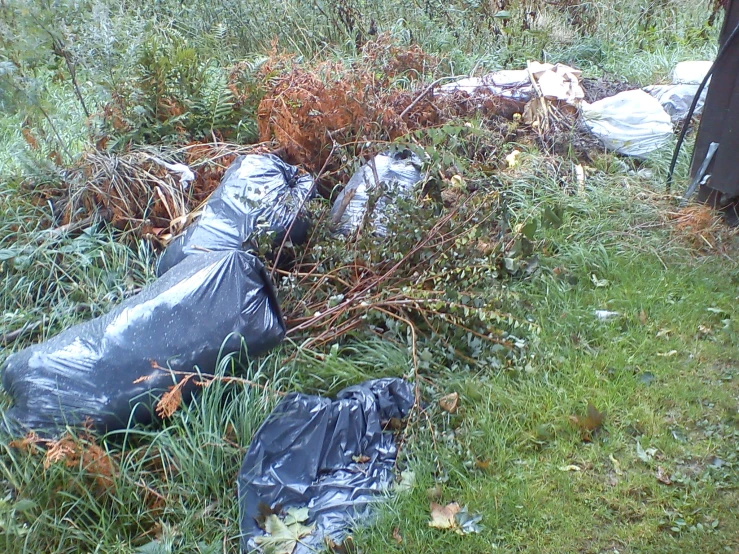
(206, 307)
(257, 189)
(396, 172)
(305, 454)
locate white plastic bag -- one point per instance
(558, 82)
(632, 123)
(514, 84)
(394, 175)
(690, 73)
(676, 99)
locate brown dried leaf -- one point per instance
(589, 424)
(29, 443)
(435, 492)
(170, 400)
(85, 453)
(594, 419)
(483, 465)
(346, 547)
(449, 402)
(263, 511)
(442, 517)
(643, 317)
(394, 424)
(663, 476)
(63, 449)
(396, 535)
(29, 138)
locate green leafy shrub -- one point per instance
(175, 94)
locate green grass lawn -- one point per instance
(658, 475)
(603, 434)
(664, 372)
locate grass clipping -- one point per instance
(135, 191)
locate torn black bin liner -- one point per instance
(102, 372)
(306, 452)
(396, 172)
(258, 189)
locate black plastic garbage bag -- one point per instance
(332, 457)
(258, 189)
(394, 175)
(102, 372)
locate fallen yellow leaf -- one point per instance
(442, 517)
(449, 402)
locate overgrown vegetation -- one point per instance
(570, 329)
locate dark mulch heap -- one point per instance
(597, 89)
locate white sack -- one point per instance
(676, 99)
(690, 73)
(632, 123)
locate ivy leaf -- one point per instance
(552, 216)
(296, 515)
(529, 230)
(283, 536)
